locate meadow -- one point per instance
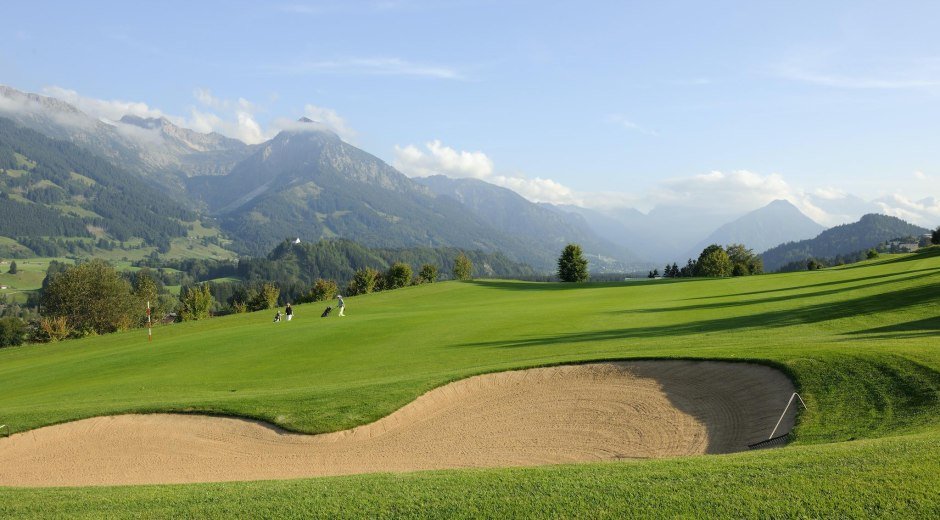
(860, 342)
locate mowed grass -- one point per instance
(861, 342)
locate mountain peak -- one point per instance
(305, 119)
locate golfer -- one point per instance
(289, 312)
(277, 316)
(341, 304)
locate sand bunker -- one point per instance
(553, 415)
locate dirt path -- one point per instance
(553, 415)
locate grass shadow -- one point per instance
(777, 299)
(873, 304)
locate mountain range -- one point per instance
(308, 183)
(305, 182)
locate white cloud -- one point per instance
(442, 160)
(331, 119)
(439, 159)
(924, 212)
(112, 110)
(230, 117)
(716, 190)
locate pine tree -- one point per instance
(13, 269)
(572, 266)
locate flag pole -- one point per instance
(149, 328)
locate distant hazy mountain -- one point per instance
(663, 235)
(310, 184)
(154, 148)
(869, 231)
(538, 226)
(763, 228)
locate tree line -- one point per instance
(93, 298)
(716, 261)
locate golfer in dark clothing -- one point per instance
(289, 312)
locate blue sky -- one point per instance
(598, 103)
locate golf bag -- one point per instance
(326, 312)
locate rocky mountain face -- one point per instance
(308, 183)
(188, 152)
(763, 228)
(540, 227)
(154, 148)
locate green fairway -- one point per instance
(862, 343)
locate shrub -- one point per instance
(399, 275)
(51, 329)
(427, 274)
(12, 331)
(365, 280)
(323, 290)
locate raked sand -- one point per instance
(574, 413)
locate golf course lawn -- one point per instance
(861, 342)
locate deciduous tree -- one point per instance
(713, 262)
(399, 275)
(196, 303)
(463, 267)
(92, 297)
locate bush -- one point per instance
(427, 274)
(871, 254)
(51, 329)
(323, 290)
(365, 281)
(12, 332)
(399, 275)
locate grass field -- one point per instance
(862, 343)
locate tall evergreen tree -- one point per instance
(572, 266)
(13, 268)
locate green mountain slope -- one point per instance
(54, 188)
(869, 231)
(539, 227)
(312, 185)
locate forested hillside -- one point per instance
(869, 231)
(53, 188)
